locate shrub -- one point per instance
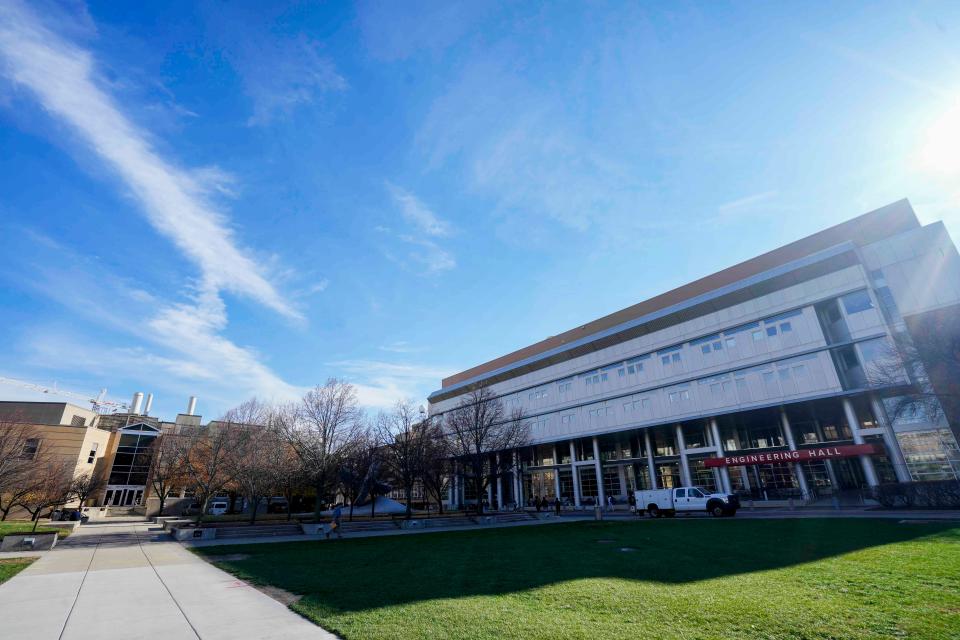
(937, 494)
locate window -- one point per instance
(564, 386)
(631, 369)
(621, 373)
(705, 348)
(665, 360)
(717, 345)
(537, 395)
(784, 374)
(30, 449)
(681, 493)
(93, 452)
(785, 327)
(78, 421)
(628, 407)
(684, 395)
(799, 371)
(675, 357)
(771, 331)
(715, 389)
(568, 418)
(645, 403)
(731, 342)
(603, 376)
(857, 301)
(757, 335)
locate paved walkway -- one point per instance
(126, 581)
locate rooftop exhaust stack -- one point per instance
(149, 403)
(137, 401)
(192, 405)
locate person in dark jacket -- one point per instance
(556, 505)
(543, 503)
(536, 503)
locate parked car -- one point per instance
(668, 502)
(218, 507)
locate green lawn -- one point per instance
(684, 578)
(10, 567)
(23, 526)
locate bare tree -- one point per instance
(355, 465)
(18, 456)
(168, 458)
(209, 460)
(325, 423)
(402, 434)
(49, 486)
(925, 363)
(478, 427)
(283, 464)
(436, 462)
(86, 485)
(252, 467)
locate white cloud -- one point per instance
(746, 201)
(418, 214)
(423, 252)
(176, 202)
(381, 384)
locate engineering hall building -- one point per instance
(771, 379)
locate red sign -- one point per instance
(840, 451)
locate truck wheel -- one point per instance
(717, 511)
(654, 511)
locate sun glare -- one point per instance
(940, 152)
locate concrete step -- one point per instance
(370, 525)
(255, 531)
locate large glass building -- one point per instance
(777, 378)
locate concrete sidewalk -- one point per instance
(127, 582)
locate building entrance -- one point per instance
(123, 496)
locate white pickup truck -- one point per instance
(668, 502)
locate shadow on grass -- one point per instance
(369, 573)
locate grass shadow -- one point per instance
(370, 573)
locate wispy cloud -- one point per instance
(282, 70)
(401, 346)
(177, 202)
(418, 214)
(746, 202)
(381, 384)
(423, 251)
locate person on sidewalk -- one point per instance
(337, 515)
(609, 503)
(632, 501)
(536, 503)
(556, 505)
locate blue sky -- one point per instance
(235, 199)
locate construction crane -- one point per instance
(99, 404)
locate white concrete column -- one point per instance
(890, 439)
(718, 443)
(868, 471)
(651, 467)
(576, 474)
(684, 463)
(515, 477)
(499, 484)
(556, 472)
(792, 445)
(598, 469)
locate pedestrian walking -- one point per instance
(610, 502)
(536, 503)
(337, 515)
(556, 505)
(632, 501)
(543, 503)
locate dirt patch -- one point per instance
(230, 557)
(280, 595)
